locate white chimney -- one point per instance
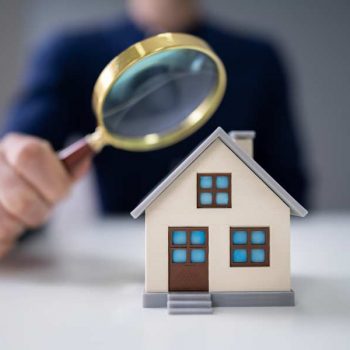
(244, 140)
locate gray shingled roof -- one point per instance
(295, 208)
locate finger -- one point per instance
(8, 241)
(19, 199)
(10, 228)
(37, 163)
(6, 248)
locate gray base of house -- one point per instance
(229, 299)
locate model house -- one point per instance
(218, 231)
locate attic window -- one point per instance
(249, 246)
(214, 190)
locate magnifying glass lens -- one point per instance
(152, 95)
(157, 93)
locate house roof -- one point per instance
(295, 208)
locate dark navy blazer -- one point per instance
(55, 103)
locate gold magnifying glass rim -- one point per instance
(114, 70)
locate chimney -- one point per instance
(244, 140)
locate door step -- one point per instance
(189, 303)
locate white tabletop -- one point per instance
(79, 287)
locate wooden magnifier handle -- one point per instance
(75, 154)
(82, 149)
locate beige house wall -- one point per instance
(253, 204)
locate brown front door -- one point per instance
(188, 259)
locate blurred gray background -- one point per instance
(313, 34)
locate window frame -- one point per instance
(214, 190)
(249, 246)
(188, 246)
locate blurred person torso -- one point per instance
(55, 103)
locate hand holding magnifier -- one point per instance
(152, 95)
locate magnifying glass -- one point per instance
(154, 94)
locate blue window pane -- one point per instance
(239, 255)
(206, 182)
(222, 182)
(206, 198)
(179, 255)
(258, 237)
(197, 255)
(239, 237)
(197, 237)
(257, 255)
(222, 198)
(179, 237)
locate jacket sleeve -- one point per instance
(44, 103)
(278, 144)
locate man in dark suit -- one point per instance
(54, 103)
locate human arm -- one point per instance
(32, 179)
